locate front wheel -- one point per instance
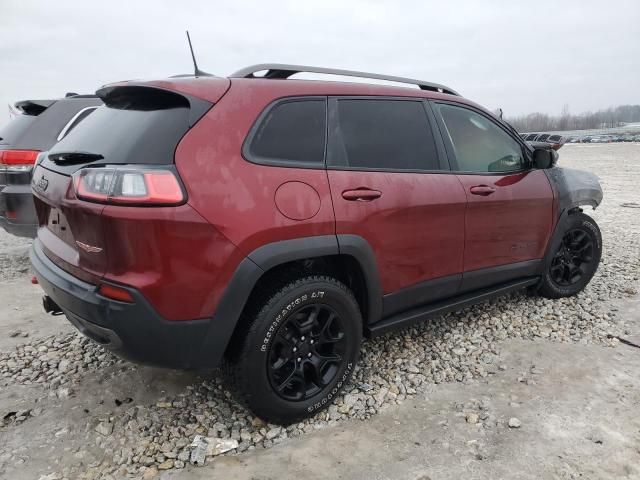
(570, 266)
(299, 351)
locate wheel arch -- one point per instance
(349, 258)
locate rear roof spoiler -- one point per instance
(152, 97)
(33, 107)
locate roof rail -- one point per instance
(279, 70)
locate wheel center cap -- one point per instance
(303, 348)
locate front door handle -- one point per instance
(361, 195)
(483, 190)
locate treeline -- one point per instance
(610, 118)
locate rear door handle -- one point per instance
(361, 195)
(483, 190)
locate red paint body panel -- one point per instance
(236, 196)
(416, 227)
(513, 224)
(177, 259)
(64, 220)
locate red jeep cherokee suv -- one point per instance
(272, 222)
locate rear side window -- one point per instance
(374, 134)
(479, 144)
(291, 133)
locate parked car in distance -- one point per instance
(269, 223)
(39, 125)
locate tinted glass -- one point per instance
(479, 144)
(384, 134)
(291, 132)
(83, 114)
(10, 133)
(133, 129)
(532, 136)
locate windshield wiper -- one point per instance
(70, 158)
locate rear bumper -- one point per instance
(17, 199)
(134, 331)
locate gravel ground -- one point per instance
(141, 434)
(14, 256)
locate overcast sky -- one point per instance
(521, 56)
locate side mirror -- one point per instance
(544, 158)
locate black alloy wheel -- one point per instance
(307, 352)
(573, 259)
(298, 348)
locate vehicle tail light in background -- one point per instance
(128, 186)
(115, 293)
(18, 159)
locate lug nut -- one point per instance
(295, 349)
(302, 339)
(299, 359)
(311, 342)
(309, 354)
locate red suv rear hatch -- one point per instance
(137, 130)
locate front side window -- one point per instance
(383, 135)
(292, 132)
(479, 144)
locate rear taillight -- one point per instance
(17, 159)
(128, 186)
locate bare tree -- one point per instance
(608, 118)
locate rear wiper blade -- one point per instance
(68, 158)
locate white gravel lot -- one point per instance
(69, 409)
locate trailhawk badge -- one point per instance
(88, 248)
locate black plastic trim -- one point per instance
(278, 253)
(133, 330)
(421, 294)
(227, 314)
(272, 255)
(477, 279)
(419, 314)
(358, 248)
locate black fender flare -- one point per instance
(259, 261)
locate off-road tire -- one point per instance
(560, 260)
(278, 314)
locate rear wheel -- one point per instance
(572, 264)
(299, 351)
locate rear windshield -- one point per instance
(10, 132)
(132, 128)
